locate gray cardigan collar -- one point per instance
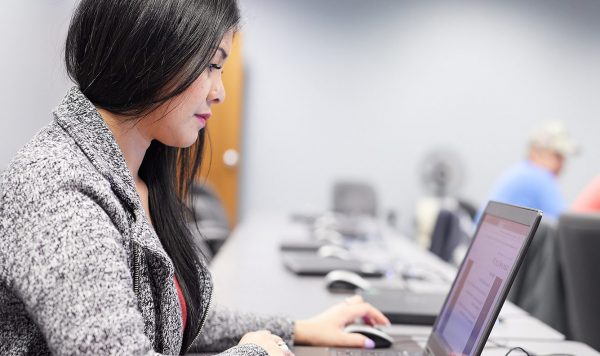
(80, 119)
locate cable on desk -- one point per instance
(495, 343)
(519, 348)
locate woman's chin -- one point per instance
(183, 142)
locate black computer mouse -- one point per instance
(381, 339)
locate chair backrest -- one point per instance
(445, 220)
(468, 207)
(448, 234)
(207, 206)
(538, 287)
(579, 249)
(209, 221)
(354, 198)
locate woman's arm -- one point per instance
(224, 328)
(63, 258)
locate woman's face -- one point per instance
(176, 123)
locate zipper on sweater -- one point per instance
(201, 323)
(136, 270)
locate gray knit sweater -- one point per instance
(82, 272)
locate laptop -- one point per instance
(402, 306)
(481, 285)
(309, 264)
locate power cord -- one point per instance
(527, 353)
(502, 345)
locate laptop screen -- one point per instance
(483, 276)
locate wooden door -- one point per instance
(221, 159)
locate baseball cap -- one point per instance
(554, 136)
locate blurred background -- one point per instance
(373, 91)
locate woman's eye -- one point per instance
(212, 67)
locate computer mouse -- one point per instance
(334, 251)
(345, 281)
(381, 339)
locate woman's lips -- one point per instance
(203, 118)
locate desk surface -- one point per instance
(250, 276)
(249, 265)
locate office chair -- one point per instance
(209, 222)
(538, 287)
(449, 234)
(468, 207)
(579, 250)
(354, 198)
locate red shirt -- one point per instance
(589, 198)
(182, 302)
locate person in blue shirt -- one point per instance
(533, 182)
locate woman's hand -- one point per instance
(326, 329)
(273, 344)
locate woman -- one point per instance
(96, 257)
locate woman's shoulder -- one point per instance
(50, 151)
(51, 189)
(49, 164)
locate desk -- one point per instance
(543, 348)
(261, 284)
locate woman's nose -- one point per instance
(217, 93)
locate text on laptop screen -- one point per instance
(482, 277)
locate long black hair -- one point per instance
(129, 57)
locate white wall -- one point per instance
(32, 79)
(364, 89)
